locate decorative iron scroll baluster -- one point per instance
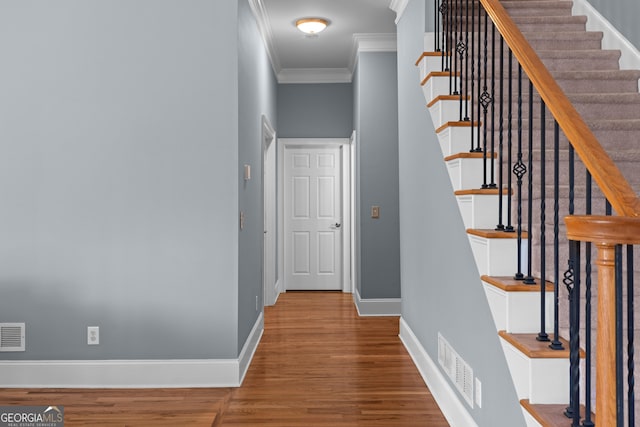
(556, 344)
(542, 335)
(461, 48)
(619, 343)
(500, 226)
(519, 169)
(528, 280)
(486, 99)
(572, 282)
(630, 338)
(479, 78)
(445, 46)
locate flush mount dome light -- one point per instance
(311, 25)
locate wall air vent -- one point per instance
(12, 337)
(456, 369)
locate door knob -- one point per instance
(337, 225)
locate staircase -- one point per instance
(607, 98)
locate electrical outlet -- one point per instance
(478, 393)
(93, 335)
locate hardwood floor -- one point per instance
(318, 364)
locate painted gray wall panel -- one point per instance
(441, 288)
(257, 96)
(623, 14)
(118, 138)
(377, 148)
(315, 110)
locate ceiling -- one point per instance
(354, 25)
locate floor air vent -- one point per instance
(456, 368)
(12, 337)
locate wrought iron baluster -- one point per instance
(519, 169)
(453, 76)
(500, 226)
(556, 344)
(466, 64)
(509, 227)
(436, 17)
(587, 316)
(486, 99)
(572, 282)
(630, 338)
(528, 280)
(492, 172)
(478, 148)
(471, 77)
(542, 335)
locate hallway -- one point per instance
(318, 364)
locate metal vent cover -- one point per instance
(456, 368)
(12, 337)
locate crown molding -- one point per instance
(264, 27)
(398, 6)
(314, 75)
(371, 42)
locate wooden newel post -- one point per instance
(605, 232)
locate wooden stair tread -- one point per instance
(438, 74)
(461, 123)
(469, 155)
(534, 349)
(550, 415)
(445, 98)
(493, 234)
(424, 54)
(480, 191)
(509, 284)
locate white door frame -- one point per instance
(269, 203)
(347, 184)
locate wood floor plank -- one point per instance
(318, 364)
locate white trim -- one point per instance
(270, 211)
(371, 42)
(398, 6)
(377, 306)
(249, 348)
(454, 409)
(314, 75)
(264, 27)
(132, 373)
(612, 39)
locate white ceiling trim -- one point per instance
(398, 6)
(264, 27)
(371, 43)
(314, 75)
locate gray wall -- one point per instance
(118, 144)
(315, 110)
(441, 288)
(376, 123)
(623, 14)
(257, 97)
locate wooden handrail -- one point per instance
(604, 171)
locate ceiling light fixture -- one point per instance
(311, 25)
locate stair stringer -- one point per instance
(530, 375)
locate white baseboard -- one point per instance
(377, 307)
(132, 373)
(454, 409)
(613, 39)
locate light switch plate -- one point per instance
(375, 212)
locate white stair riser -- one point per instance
(444, 111)
(455, 139)
(518, 312)
(429, 64)
(497, 257)
(539, 380)
(480, 210)
(438, 85)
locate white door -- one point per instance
(313, 223)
